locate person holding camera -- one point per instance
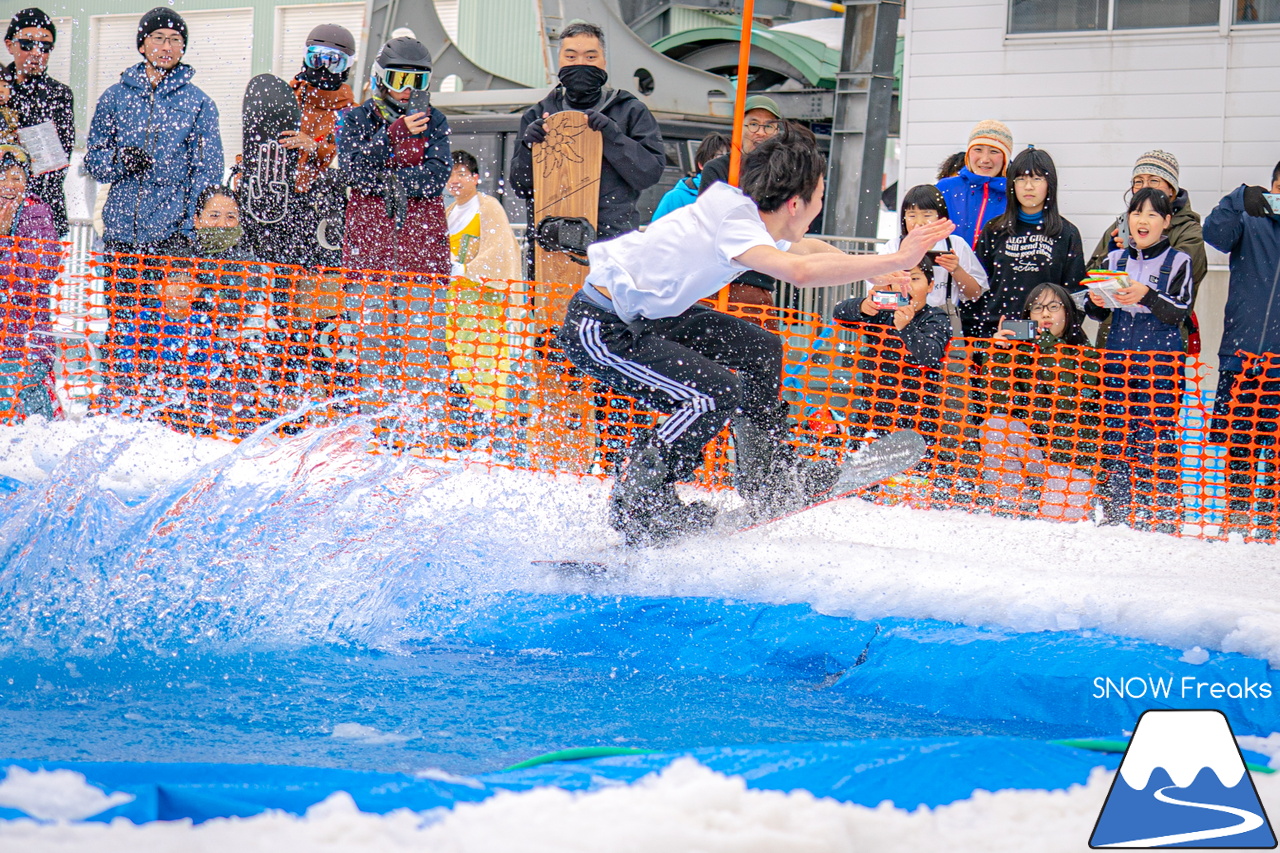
(1029, 244)
(1142, 383)
(1041, 457)
(923, 329)
(394, 148)
(958, 275)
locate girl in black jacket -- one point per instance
(1028, 245)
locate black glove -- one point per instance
(1254, 202)
(396, 198)
(134, 161)
(534, 133)
(597, 120)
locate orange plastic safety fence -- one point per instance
(28, 345)
(450, 366)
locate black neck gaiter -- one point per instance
(582, 85)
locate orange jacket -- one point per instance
(319, 118)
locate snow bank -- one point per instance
(686, 807)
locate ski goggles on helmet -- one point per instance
(397, 80)
(327, 58)
(15, 155)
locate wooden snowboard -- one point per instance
(566, 182)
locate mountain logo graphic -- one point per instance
(1183, 783)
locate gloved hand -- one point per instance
(134, 161)
(396, 198)
(597, 120)
(1254, 202)
(534, 133)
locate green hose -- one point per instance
(1122, 745)
(577, 753)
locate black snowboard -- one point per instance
(268, 172)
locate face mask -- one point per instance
(582, 84)
(322, 78)
(216, 240)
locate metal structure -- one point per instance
(384, 16)
(863, 114)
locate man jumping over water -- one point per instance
(637, 327)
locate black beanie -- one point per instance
(32, 17)
(161, 18)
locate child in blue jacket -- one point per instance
(980, 193)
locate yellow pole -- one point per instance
(739, 108)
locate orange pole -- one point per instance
(739, 108)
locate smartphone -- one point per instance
(1123, 228)
(887, 300)
(1023, 330)
(1273, 199)
(932, 255)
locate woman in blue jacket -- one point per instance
(979, 193)
(154, 137)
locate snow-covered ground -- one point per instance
(847, 558)
(686, 807)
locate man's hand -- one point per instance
(416, 123)
(597, 120)
(134, 161)
(536, 132)
(297, 140)
(1255, 203)
(922, 239)
(899, 281)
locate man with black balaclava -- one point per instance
(633, 153)
(394, 149)
(322, 91)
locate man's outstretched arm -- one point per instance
(808, 265)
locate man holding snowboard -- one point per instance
(637, 327)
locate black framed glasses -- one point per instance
(34, 44)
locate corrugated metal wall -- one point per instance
(505, 37)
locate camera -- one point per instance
(888, 300)
(1023, 330)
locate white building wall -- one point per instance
(1213, 96)
(1096, 101)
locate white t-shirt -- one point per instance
(941, 278)
(685, 256)
(460, 215)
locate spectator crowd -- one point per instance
(355, 174)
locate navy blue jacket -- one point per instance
(175, 123)
(369, 146)
(973, 201)
(1252, 314)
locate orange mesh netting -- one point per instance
(454, 366)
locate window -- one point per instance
(1255, 11)
(1048, 16)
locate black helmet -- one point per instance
(405, 53)
(332, 35)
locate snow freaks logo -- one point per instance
(1183, 783)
